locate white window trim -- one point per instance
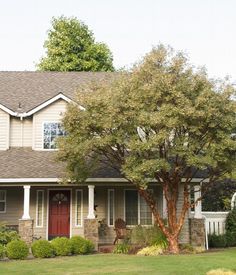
(44, 122)
(37, 205)
(5, 201)
(108, 206)
(146, 225)
(76, 208)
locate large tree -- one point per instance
(71, 46)
(163, 120)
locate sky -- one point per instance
(203, 29)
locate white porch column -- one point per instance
(198, 206)
(91, 202)
(26, 215)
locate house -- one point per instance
(32, 197)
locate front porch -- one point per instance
(45, 211)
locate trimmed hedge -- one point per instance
(42, 249)
(17, 250)
(62, 246)
(80, 245)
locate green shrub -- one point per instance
(230, 238)
(2, 251)
(17, 250)
(153, 250)
(80, 245)
(7, 235)
(148, 236)
(217, 241)
(230, 223)
(42, 249)
(122, 248)
(61, 246)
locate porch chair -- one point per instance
(122, 232)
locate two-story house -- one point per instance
(31, 196)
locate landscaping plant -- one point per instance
(80, 245)
(17, 249)
(42, 249)
(61, 246)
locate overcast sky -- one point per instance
(205, 29)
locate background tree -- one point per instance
(218, 197)
(156, 122)
(71, 47)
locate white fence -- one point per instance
(215, 222)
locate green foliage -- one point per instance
(17, 249)
(2, 251)
(61, 246)
(218, 197)
(217, 241)
(230, 224)
(158, 121)
(71, 47)
(144, 236)
(7, 235)
(80, 245)
(122, 248)
(42, 249)
(153, 250)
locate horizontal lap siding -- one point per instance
(52, 113)
(184, 235)
(14, 205)
(4, 130)
(21, 132)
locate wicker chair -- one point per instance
(122, 232)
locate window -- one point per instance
(39, 208)
(79, 208)
(136, 209)
(111, 197)
(3, 195)
(51, 130)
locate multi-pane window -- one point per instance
(3, 198)
(79, 208)
(51, 130)
(136, 209)
(39, 208)
(111, 198)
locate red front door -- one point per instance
(59, 214)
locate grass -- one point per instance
(124, 264)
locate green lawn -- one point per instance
(124, 264)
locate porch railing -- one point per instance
(215, 222)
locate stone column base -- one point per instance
(26, 230)
(91, 231)
(197, 232)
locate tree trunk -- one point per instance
(173, 245)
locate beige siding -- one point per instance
(184, 235)
(21, 132)
(52, 113)
(4, 130)
(14, 205)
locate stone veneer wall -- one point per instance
(26, 230)
(197, 232)
(91, 231)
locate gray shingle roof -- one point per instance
(31, 89)
(26, 163)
